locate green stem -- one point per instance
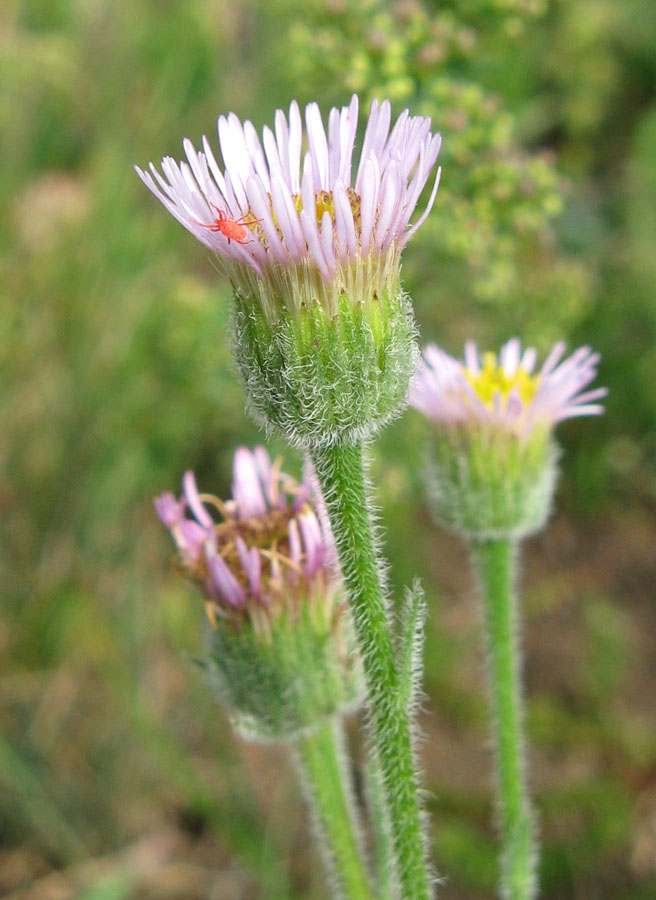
(340, 470)
(321, 759)
(496, 560)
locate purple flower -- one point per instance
(270, 205)
(268, 549)
(506, 392)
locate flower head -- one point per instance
(268, 549)
(506, 392)
(281, 652)
(272, 211)
(492, 469)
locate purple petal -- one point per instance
(251, 564)
(369, 201)
(194, 502)
(348, 130)
(422, 218)
(225, 583)
(259, 203)
(295, 141)
(318, 146)
(333, 145)
(191, 539)
(294, 543)
(312, 542)
(287, 216)
(312, 237)
(472, 360)
(168, 509)
(509, 357)
(327, 240)
(344, 224)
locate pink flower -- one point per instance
(270, 205)
(506, 392)
(269, 547)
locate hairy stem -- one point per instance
(321, 759)
(383, 848)
(340, 470)
(496, 562)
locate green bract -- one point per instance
(322, 377)
(490, 483)
(279, 683)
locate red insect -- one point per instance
(233, 229)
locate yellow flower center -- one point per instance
(325, 203)
(492, 380)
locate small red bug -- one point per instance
(233, 229)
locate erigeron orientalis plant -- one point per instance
(324, 338)
(280, 651)
(491, 474)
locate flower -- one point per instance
(506, 393)
(322, 333)
(281, 651)
(267, 551)
(273, 213)
(492, 468)
(316, 212)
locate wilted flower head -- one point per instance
(267, 550)
(292, 210)
(506, 392)
(281, 651)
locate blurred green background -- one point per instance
(119, 776)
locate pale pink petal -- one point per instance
(318, 146)
(246, 487)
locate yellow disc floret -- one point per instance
(493, 379)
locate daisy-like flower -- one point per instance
(311, 243)
(492, 467)
(267, 549)
(293, 209)
(506, 392)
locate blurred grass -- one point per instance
(119, 775)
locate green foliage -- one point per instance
(468, 855)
